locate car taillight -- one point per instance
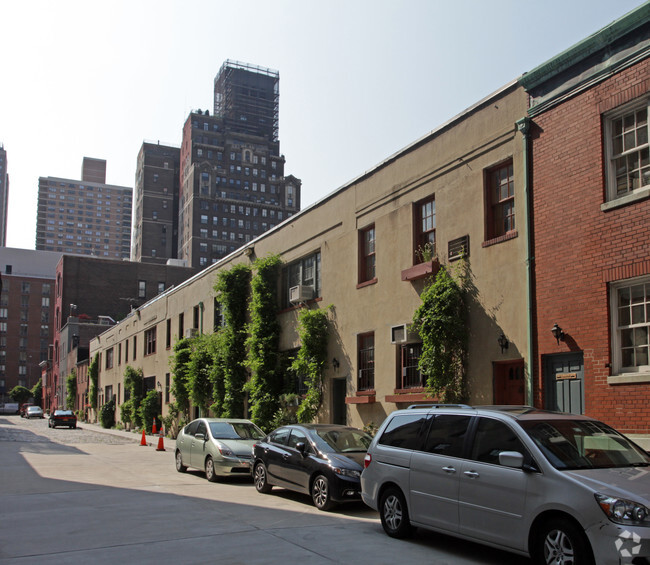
(367, 460)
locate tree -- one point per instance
(20, 394)
(311, 359)
(441, 322)
(37, 392)
(265, 385)
(71, 391)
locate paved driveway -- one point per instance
(83, 496)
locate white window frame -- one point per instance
(622, 374)
(643, 191)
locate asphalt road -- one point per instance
(85, 496)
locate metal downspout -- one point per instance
(523, 125)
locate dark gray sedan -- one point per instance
(219, 446)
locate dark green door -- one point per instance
(564, 382)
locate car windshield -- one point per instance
(235, 430)
(342, 441)
(584, 444)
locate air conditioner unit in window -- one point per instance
(300, 293)
(191, 332)
(403, 334)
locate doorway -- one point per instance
(509, 382)
(339, 410)
(564, 382)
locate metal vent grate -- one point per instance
(458, 248)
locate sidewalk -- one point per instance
(135, 436)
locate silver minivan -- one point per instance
(561, 488)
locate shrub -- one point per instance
(107, 414)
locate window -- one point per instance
(366, 361)
(447, 435)
(305, 272)
(425, 229)
(404, 431)
(367, 254)
(500, 197)
(492, 437)
(631, 317)
(109, 358)
(627, 150)
(142, 289)
(135, 347)
(150, 341)
(410, 376)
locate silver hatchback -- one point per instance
(220, 446)
(561, 488)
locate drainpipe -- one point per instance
(523, 125)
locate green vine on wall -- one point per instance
(133, 387)
(93, 377)
(265, 385)
(178, 364)
(311, 359)
(71, 391)
(441, 320)
(230, 374)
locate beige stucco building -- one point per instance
(461, 188)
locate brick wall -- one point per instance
(579, 248)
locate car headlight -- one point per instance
(622, 511)
(347, 472)
(225, 451)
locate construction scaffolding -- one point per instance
(248, 98)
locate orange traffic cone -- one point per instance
(153, 428)
(144, 438)
(161, 444)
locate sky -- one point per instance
(359, 79)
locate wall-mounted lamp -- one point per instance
(159, 386)
(558, 333)
(335, 363)
(503, 343)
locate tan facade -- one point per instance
(453, 167)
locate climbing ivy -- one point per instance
(93, 377)
(71, 390)
(441, 320)
(199, 366)
(134, 385)
(178, 364)
(265, 385)
(310, 360)
(229, 375)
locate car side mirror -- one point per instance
(199, 436)
(300, 446)
(512, 459)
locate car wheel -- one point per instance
(260, 479)
(179, 463)
(320, 493)
(210, 473)
(561, 542)
(394, 514)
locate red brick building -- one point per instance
(590, 199)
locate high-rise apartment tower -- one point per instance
(86, 217)
(4, 196)
(232, 181)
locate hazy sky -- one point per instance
(359, 79)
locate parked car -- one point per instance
(561, 488)
(322, 460)
(34, 412)
(62, 418)
(24, 407)
(220, 446)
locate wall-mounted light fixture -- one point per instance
(159, 386)
(558, 333)
(503, 343)
(335, 363)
